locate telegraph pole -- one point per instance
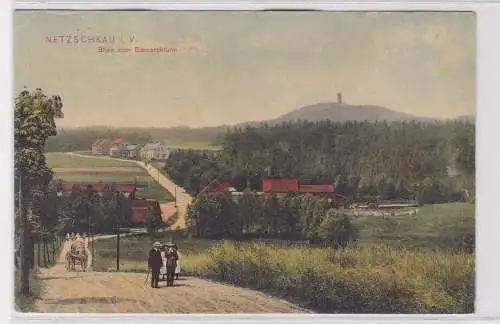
(117, 231)
(88, 230)
(92, 235)
(90, 238)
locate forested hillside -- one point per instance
(430, 162)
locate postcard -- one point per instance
(244, 162)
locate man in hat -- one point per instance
(154, 263)
(171, 264)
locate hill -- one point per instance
(343, 112)
(75, 139)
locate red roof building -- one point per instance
(215, 186)
(280, 185)
(293, 185)
(125, 188)
(100, 146)
(316, 188)
(139, 214)
(140, 211)
(116, 147)
(95, 146)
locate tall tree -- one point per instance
(35, 114)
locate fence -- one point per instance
(46, 252)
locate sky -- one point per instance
(230, 67)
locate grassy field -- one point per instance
(385, 273)
(153, 191)
(63, 160)
(435, 227)
(103, 176)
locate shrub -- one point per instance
(375, 280)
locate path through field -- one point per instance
(183, 199)
(115, 292)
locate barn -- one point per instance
(281, 187)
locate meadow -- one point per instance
(434, 227)
(384, 273)
(64, 160)
(153, 190)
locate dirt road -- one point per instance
(111, 292)
(183, 199)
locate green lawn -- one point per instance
(103, 176)
(63, 160)
(441, 227)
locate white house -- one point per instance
(155, 151)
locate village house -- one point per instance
(131, 151)
(116, 147)
(154, 151)
(100, 146)
(280, 187)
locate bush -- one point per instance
(375, 280)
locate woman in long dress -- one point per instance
(178, 267)
(163, 270)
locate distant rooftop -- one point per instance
(153, 146)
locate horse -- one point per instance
(70, 261)
(84, 257)
(77, 252)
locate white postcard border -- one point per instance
(487, 157)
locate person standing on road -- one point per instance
(178, 265)
(154, 264)
(163, 270)
(172, 257)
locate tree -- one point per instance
(125, 212)
(249, 211)
(151, 219)
(271, 215)
(337, 229)
(34, 122)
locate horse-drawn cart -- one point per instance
(76, 255)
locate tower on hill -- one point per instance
(339, 98)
